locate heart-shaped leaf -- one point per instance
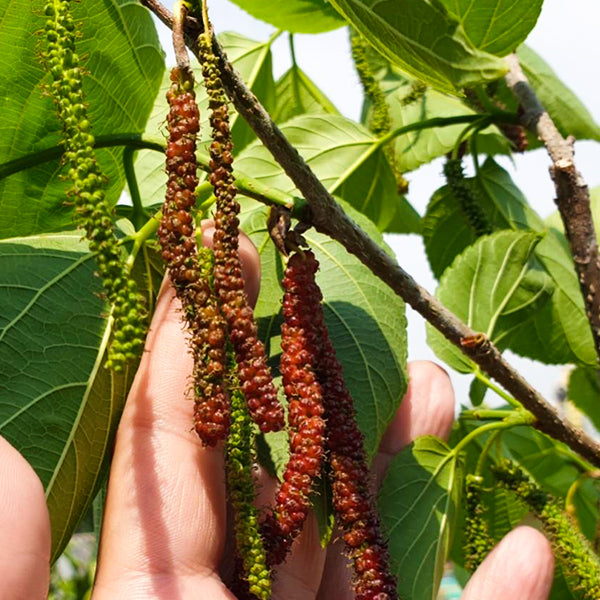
(418, 503)
(496, 26)
(58, 406)
(347, 159)
(124, 67)
(423, 39)
(296, 94)
(494, 289)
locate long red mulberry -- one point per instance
(305, 415)
(253, 370)
(190, 269)
(352, 499)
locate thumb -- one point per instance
(520, 566)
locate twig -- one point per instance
(572, 194)
(328, 218)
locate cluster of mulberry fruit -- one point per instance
(352, 497)
(468, 201)
(253, 370)
(92, 210)
(477, 540)
(191, 269)
(306, 426)
(580, 563)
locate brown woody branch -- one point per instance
(328, 218)
(572, 194)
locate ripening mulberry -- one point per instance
(580, 563)
(352, 498)
(93, 212)
(190, 269)
(253, 370)
(305, 413)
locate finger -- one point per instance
(164, 525)
(24, 529)
(426, 409)
(520, 566)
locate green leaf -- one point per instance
(496, 26)
(493, 288)
(344, 156)
(560, 332)
(477, 391)
(446, 229)
(416, 148)
(124, 66)
(253, 62)
(417, 503)
(365, 319)
(297, 16)
(58, 406)
(421, 38)
(584, 391)
(296, 94)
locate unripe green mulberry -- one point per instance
(468, 200)
(580, 563)
(477, 540)
(241, 489)
(93, 213)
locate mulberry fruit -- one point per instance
(305, 414)
(191, 269)
(253, 370)
(93, 212)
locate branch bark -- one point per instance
(572, 194)
(328, 218)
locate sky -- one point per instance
(565, 36)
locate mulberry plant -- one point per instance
(92, 210)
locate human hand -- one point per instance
(165, 532)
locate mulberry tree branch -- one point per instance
(328, 218)
(572, 194)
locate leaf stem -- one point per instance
(486, 450)
(495, 426)
(472, 120)
(499, 391)
(247, 186)
(133, 140)
(142, 236)
(138, 215)
(483, 413)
